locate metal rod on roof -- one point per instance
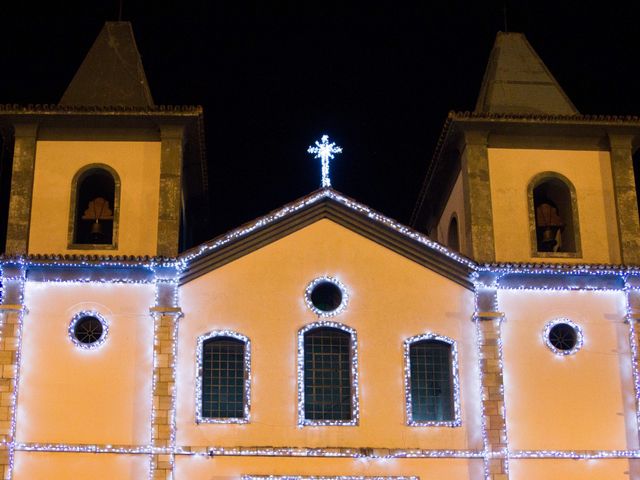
(504, 14)
(120, 11)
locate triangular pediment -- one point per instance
(327, 204)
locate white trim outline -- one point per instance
(324, 313)
(355, 406)
(576, 329)
(455, 380)
(77, 318)
(247, 377)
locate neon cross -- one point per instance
(325, 151)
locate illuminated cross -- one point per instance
(325, 151)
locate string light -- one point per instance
(325, 151)
(90, 345)
(457, 416)
(190, 255)
(341, 477)
(324, 313)
(377, 453)
(161, 274)
(560, 321)
(247, 377)
(355, 406)
(633, 342)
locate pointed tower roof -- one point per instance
(111, 73)
(517, 81)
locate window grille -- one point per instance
(223, 378)
(431, 381)
(327, 374)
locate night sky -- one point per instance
(378, 78)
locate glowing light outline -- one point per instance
(79, 316)
(576, 329)
(247, 378)
(455, 380)
(355, 402)
(322, 313)
(325, 151)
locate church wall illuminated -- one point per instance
(496, 338)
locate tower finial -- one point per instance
(325, 151)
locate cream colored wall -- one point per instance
(71, 395)
(455, 204)
(202, 468)
(261, 295)
(610, 469)
(137, 164)
(511, 171)
(80, 466)
(583, 401)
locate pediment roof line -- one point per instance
(327, 203)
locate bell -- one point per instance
(96, 231)
(548, 239)
(548, 235)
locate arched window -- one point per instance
(431, 381)
(453, 240)
(223, 385)
(327, 375)
(553, 213)
(95, 192)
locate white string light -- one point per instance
(88, 345)
(457, 416)
(560, 321)
(355, 406)
(200, 418)
(324, 313)
(298, 477)
(325, 151)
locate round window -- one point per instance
(88, 330)
(563, 336)
(326, 296)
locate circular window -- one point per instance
(563, 336)
(88, 330)
(326, 296)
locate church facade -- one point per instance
(495, 339)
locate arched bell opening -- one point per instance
(453, 235)
(95, 195)
(554, 215)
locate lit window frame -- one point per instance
(247, 378)
(353, 344)
(579, 336)
(455, 380)
(322, 313)
(79, 316)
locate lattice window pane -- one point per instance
(223, 378)
(327, 374)
(431, 382)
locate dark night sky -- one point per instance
(379, 78)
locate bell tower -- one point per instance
(526, 178)
(106, 171)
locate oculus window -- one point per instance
(88, 330)
(562, 336)
(326, 296)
